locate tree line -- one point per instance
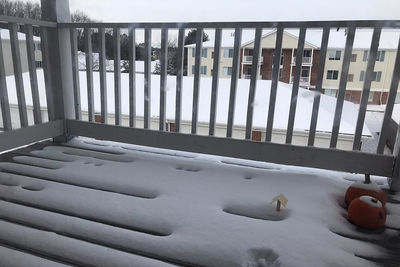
(33, 11)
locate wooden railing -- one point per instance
(65, 112)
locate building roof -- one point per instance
(303, 111)
(5, 35)
(337, 38)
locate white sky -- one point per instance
(235, 10)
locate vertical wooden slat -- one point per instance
(318, 85)
(367, 86)
(132, 78)
(255, 70)
(296, 83)
(163, 77)
(30, 49)
(342, 85)
(117, 75)
(147, 78)
(179, 79)
(274, 83)
(75, 73)
(215, 79)
(103, 75)
(89, 72)
(44, 43)
(196, 83)
(4, 104)
(390, 103)
(234, 81)
(19, 83)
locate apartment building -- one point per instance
(7, 56)
(334, 59)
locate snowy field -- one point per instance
(111, 204)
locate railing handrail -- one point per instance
(18, 20)
(238, 24)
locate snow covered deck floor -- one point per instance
(109, 204)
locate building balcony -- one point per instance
(303, 80)
(305, 61)
(249, 60)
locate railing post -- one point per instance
(59, 55)
(395, 179)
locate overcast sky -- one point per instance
(236, 10)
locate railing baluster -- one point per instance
(163, 77)
(342, 85)
(274, 83)
(4, 103)
(367, 86)
(147, 78)
(318, 85)
(89, 72)
(234, 81)
(75, 73)
(44, 43)
(132, 77)
(19, 83)
(196, 83)
(253, 81)
(179, 79)
(390, 103)
(117, 75)
(296, 83)
(103, 75)
(30, 49)
(215, 79)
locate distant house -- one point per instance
(5, 41)
(383, 68)
(301, 125)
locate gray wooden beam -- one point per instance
(117, 75)
(323, 158)
(4, 103)
(179, 79)
(132, 77)
(75, 73)
(103, 75)
(30, 134)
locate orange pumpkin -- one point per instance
(367, 212)
(359, 188)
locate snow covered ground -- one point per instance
(108, 204)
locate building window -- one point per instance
(212, 54)
(353, 58)
(305, 72)
(38, 64)
(227, 70)
(203, 70)
(228, 52)
(249, 70)
(212, 72)
(250, 53)
(332, 74)
(330, 92)
(203, 52)
(281, 59)
(307, 53)
(193, 69)
(380, 55)
(376, 76)
(37, 46)
(335, 55)
(280, 72)
(350, 77)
